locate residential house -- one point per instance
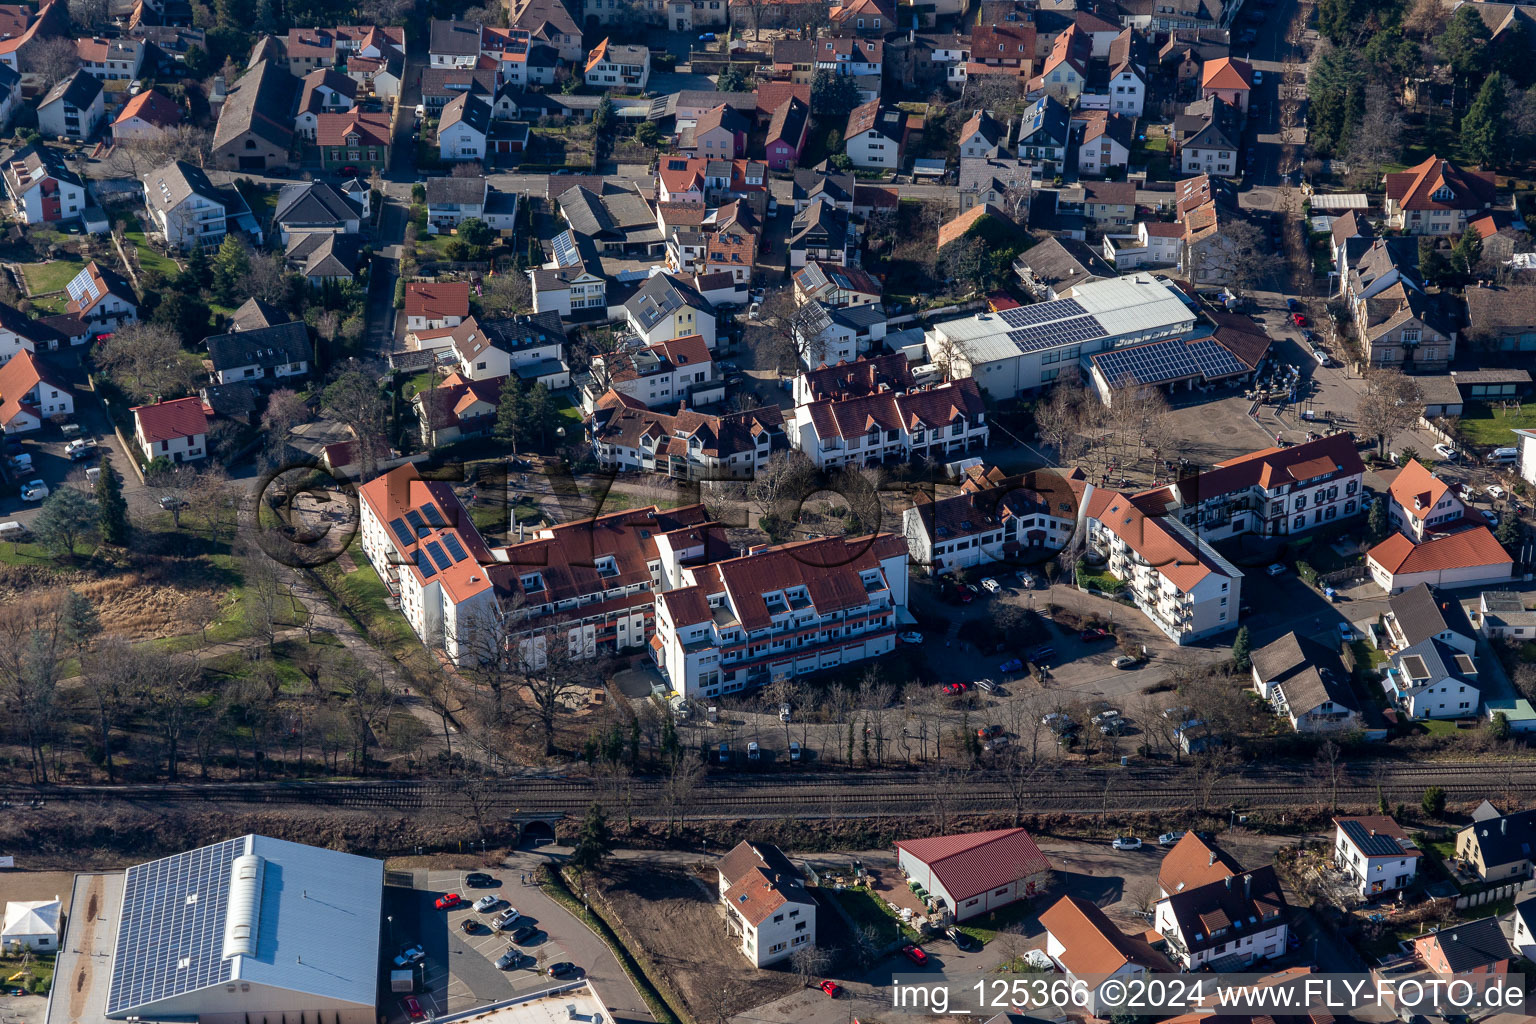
(42, 189)
(115, 62)
(176, 431)
(820, 232)
(668, 307)
(766, 903)
(614, 66)
(433, 305)
(1208, 250)
(1351, 235)
(530, 346)
(1064, 73)
(1230, 80)
(186, 209)
(929, 422)
(454, 44)
(306, 49)
(832, 284)
(662, 374)
(464, 128)
(323, 91)
(1306, 684)
(1417, 615)
(825, 183)
(1124, 90)
(1436, 198)
(1090, 950)
(355, 139)
(861, 59)
(615, 220)
(1004, 183)
(450, 201)
(1175, 577)
(686, 445)
(785, 139)
(1475, 949)
(995, 518)
(21, 333)
(970, 874)
(719, 133)
(1498, 847)
(1376, 854)
(1523, 941)
(1432, 679)
(1381, 264)
(1501, 317)
(829, 334)
(315, 207)
(933, 59)
(1239, 919)
(1503, 614)
(146, 117)
(264, 354)
(864, 18)
(780, 612)
(1051, 269)
(888, 372)
(324, 257)
(571, 288)
(983, 137)
(1406, 328)
(1156, 244)
(31, 394)
(1109, 204)
(875, 136)
(1469, 558)
(1105, 144)
(1420, 504)
(1193, 862)
(255, 129)
(1205, 138)
(458, 408)
(73, 108)
(549, 22)
(440, 85)
(102, 298)
(377, 76)
(1045, 134)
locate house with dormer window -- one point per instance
(1436, 198)
(1237, 920)
(766, 903)
(933, 423)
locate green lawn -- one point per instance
(1486, 424)
(986, 927)
(52, 276)
(39, 967)
(33, 553)
(572, 412)
(868, 910)
(150, 258)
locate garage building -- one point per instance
(976, 872)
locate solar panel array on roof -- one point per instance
(422, 563)
(1059, 309)
(1167, 361)
(403, 532)
(82, 289)
(1057, 332)
(414, 517)
(171, 936)
(433, 515)
(455, 549)
(438, 555)
(565, 250)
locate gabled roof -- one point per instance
(255, 313)
(1240, 904)
(260, 103)
(153, 107)
(324, 254)
(924, 409)
(661, 295)
(1194, 862)
(335, 129)
(266, 347)
(760, 880)
(976, 862)
(1504, 838)
(434, 300)
(79, 90)
(324, 78)
(1377, 835)
(1420, 615)
(1046, 123)
(1416, 188)
(1093, 945)
(1417, 490)
(170, 421)
(1308, 674)
(788, 123)
(1466, 549)
(472, 110)
(1471, 946)
(314, 204)
(1061, 263)
(960, 226)
(20, 374)
(991, 130)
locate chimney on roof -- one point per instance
(1229, 883)
(1503, 826)
(1213, 859)
(1247, 886)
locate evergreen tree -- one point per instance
(1433, 801)
(1467, 253)
(593, 842)
(79, 619)
(1508, 533)
(541, 413)
(1242, 650)
(112, 507)
(230, 267)
(185, 314)
(1376, 521)
(1464, 44)
(1484, 133)
(1433, 266)
(66, 518)
(511, 412)
(198, 273)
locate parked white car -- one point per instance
(1126, 843)
(34, 490)
(1495, 491)
(910, 638)
(991, 585)
(1445, 451)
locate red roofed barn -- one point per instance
(975, 873)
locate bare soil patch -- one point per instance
(25, 886)
(671, 914)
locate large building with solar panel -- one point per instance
(246, 931)
(1021, 349)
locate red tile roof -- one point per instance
(1227, 73)
(1415, 188)
(401, 490)
(152, 106)
(1193, 862)
(1417, 490)
(929, 408)
(1474, 547)
(436, 300)
(976, 862)
(170, 421)
(333, 129)
(1093, 944)
(18, 377)
(955, 229)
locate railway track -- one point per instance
(860, 794)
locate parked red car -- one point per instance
(1091, 635)
(449, 901)
(832, 988)
(1298, 319)
(413, 1008)
(950, 689)
(915, 954)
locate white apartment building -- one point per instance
(780, 612)
(668, 372)
(687, 445)
(766, 903)
(185, 207)
(1274, 492)
(926, 422)
(1376, 854)
(1177, 580)
(1240, 919)
(533, 347)
(995, 519)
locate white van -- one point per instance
(1504, 455)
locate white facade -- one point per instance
(873, 151)
(1259, 943)
(460, 141)
(32, 924)
(195, 221)
(901, 443)
(564, 294)
(176, 449)
(983, 903)
(38, 205)
(1372, 874)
